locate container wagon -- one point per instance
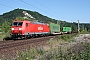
(54, 28)
(67, 30)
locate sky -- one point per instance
(65, 10)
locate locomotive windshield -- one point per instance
(17, 23)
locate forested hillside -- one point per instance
(16, 13)
(9, 16)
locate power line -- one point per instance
(6, 6)
(17, 2)
(45, 6)
(40, 4)
(32, 6)
(35, 7)
(27, 4)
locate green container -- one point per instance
(67, 29)
(54, 28)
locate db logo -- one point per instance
(40, 28)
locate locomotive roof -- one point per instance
(37, 22)
(30, 22)
(20, 20)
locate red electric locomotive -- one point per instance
(27, 28)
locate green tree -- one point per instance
(0, 28)
(21, 18)
(5, 27)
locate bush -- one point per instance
(67, 38)
(69, 53)
(5, 27)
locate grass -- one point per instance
(59, 53)
(58, 50)
(54, 53)
(4, 36)
(84, 32)
(69, 53)
(30, 54)
(67, 38)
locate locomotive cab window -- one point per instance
(20, 23)
(26, 24)
(17, 23)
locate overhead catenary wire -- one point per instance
(6, 6)
(32, 6)
(45, 7)
(17, 3)
(36, 7)
(27, 4)
(40, 4)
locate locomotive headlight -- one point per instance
(12, 28)
(20, 28)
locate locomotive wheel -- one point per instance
(26, 37)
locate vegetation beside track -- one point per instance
(84, 32)
(51, 50)
(58, 50)
(69, 53)
(4, 36)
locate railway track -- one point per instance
(9, 48)
(11, 45)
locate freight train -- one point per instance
(25, 29)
